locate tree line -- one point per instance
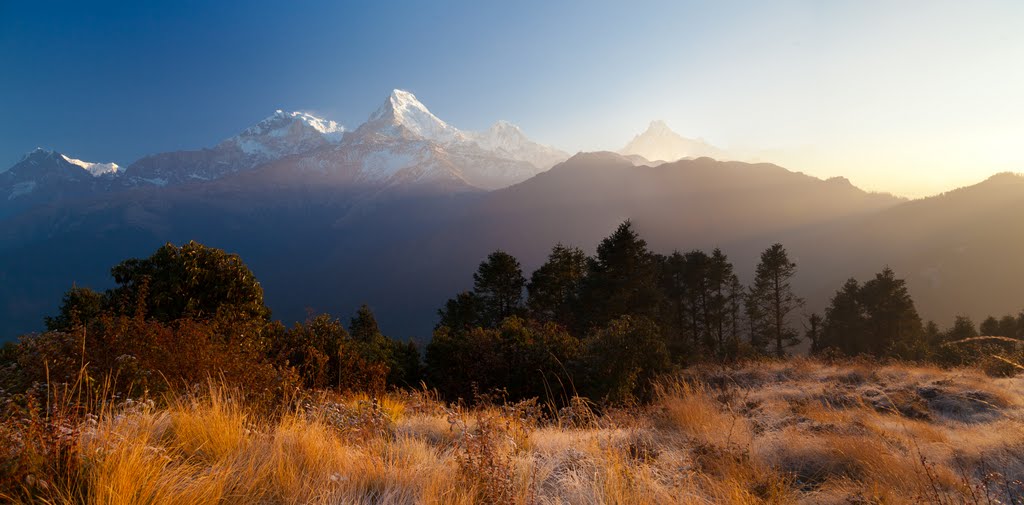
(603, 326)
(607, 324)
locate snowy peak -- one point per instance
(401, 108)
(280, 135)
(281, 123)
(96, 169)
(660, 128)
(507, 140)
(44, 175)
(659, 142)
(283, 134)
(505, 130)
(502, 135)
(41, 160)
(39, 155)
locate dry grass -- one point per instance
(784, 432)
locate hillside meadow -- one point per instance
(787, 431)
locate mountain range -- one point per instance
(398, 212)
(401, 143)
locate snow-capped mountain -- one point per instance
(507, 140)
(660, 143)
(403, 144)
(280, 135)
(96, 169)
(286, 133)
(401, 109)
(44, 176)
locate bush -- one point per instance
(622, 359)
(523, 358)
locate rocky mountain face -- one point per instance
(43, 177)
(508, 140)
(280, 135)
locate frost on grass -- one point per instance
(776, 432)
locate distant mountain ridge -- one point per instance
(401, 145)
(294, 221)
(43, 176)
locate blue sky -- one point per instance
(910, 97)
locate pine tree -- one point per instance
(720, 279)
(844, 323)
(891, 320)
(621, 279)
(674, 316)
(697, 289)
(372, 344)
(553, 289)
(460, 314)
(773, 296)
(813, 333)
(757, 321)
(956, 348)
(498, 285)
(990, 326)
(737, 296)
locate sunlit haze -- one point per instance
(912, 98)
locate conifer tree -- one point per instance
(955, 348)
(697, 296)
(553, 289)
(990, 326)
(621, 279)
(735, 311)
(720, 283)
(461, 313)
(674, 316)
(498, 285)
(757, 321)
(813, 333)
(773, 296)
(891, 320)
(844, 323)
(373, 345)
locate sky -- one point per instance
(909, 97)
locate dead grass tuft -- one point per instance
(772, 432)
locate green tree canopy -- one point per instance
(79, 306)
(192, 280)
(622, 359)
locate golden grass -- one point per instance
(777, 432)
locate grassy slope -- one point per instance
(795, 431)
